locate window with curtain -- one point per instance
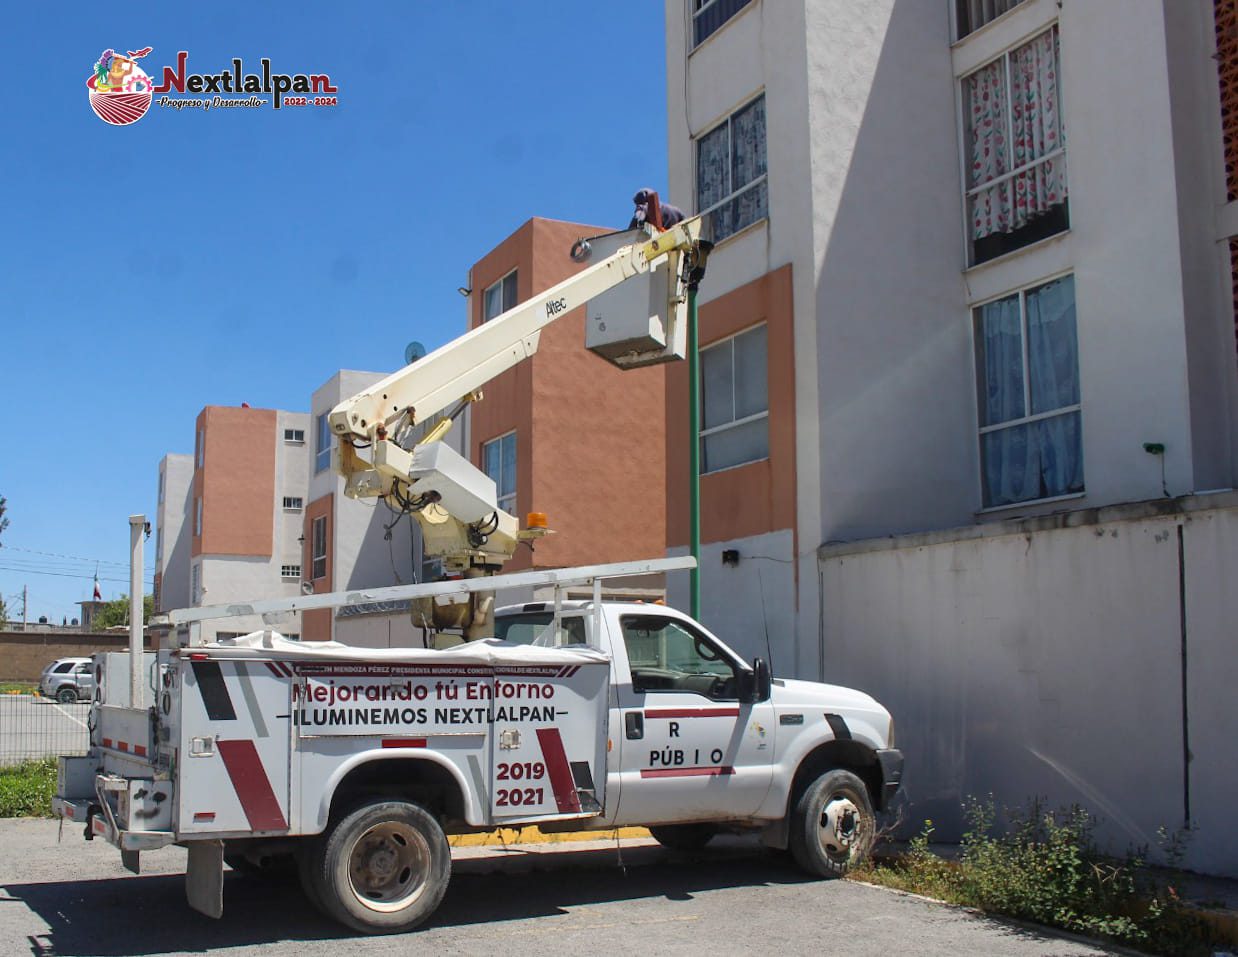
(498, 458)
(730, 171)
(709, 15)
(1027, 371)
(973, 14)
(500, 297)
(1015, 150)
(735, 401)
(318, 548)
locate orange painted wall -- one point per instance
(316, 625)
(760, 496)
(236, 482)
(590, 439)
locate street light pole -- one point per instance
(696, 265)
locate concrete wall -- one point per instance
(24, 655)
(1045, 657)
(172, 520)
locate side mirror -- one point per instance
(755, 684)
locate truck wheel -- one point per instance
(383, 868)
(684, 837)
(832, 825)
(66, 696)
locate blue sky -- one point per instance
(236, 256)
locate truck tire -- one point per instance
(66, 695)
(684, 837)
(383, 868)
(832, 824)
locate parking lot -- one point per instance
(33, 727)
(73, 898)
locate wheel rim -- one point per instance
(841, 826)
(389, 866)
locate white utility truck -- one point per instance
(357, 762)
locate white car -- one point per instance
(68, 680)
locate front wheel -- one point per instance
(832, 825)
(66, 696)
(383, 868)
(684, 837)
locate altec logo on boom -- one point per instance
(121, 92)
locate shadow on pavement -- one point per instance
(148, 915)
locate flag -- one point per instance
(98, 593)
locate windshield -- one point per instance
(535, 628)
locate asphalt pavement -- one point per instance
(74, 898)
(33, 727)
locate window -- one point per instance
(63, 668)
(293, 503)
(500, 297)
(159, 544)
(322, 448)
(162, 483)
(730, 171)
(734, 401)
(199, 448)
(197, 516)
(295, 436)
(1027, 371)
(290, 571)
(536, 628)
(293, 635)
(1015, 150)
(973, 14)
(665, 656)
(318, 539)
(498, 460)
(195, 583)
(709, 15)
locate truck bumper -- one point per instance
(79, 810)
(891, 762)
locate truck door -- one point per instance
(689, 748)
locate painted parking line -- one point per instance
(70, 717)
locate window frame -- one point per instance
(199, 448)
(197, 516)
(512, 273)
(195, 582)
(322, 453)
(294, 503)
(964, 129)
(956, 21)
(693, 43)
(703, 432)
(1028, 418)
(698, 636)
(500, 497)
(290, 436)
(763, 179)
(290, 572)
(316, 540)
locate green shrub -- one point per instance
(1044, 867)
(26, 789)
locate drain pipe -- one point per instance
(137, 684)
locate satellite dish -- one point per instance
(413, 351)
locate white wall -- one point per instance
(173, 519)
(1045, 658)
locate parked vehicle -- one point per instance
(68, 680)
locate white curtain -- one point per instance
(1003, 139)
(1008, 460)
(1053, 357)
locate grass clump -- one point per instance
(26, 789)
(17, 687)
(1044, 868)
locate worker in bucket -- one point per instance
(649, 210)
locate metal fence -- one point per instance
(32, 728)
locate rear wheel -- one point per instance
(383, 868)
(684, 837)
(832, 825)
(66, 695)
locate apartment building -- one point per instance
(238, 502)
(969, 381)
(565, 432)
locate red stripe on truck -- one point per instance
(560, 772)
(692, 712)
(685, 772)
(252, 785)
(404, 742)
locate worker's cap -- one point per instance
(643, 196)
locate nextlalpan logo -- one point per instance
(121, 92)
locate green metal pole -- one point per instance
(694, 454)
